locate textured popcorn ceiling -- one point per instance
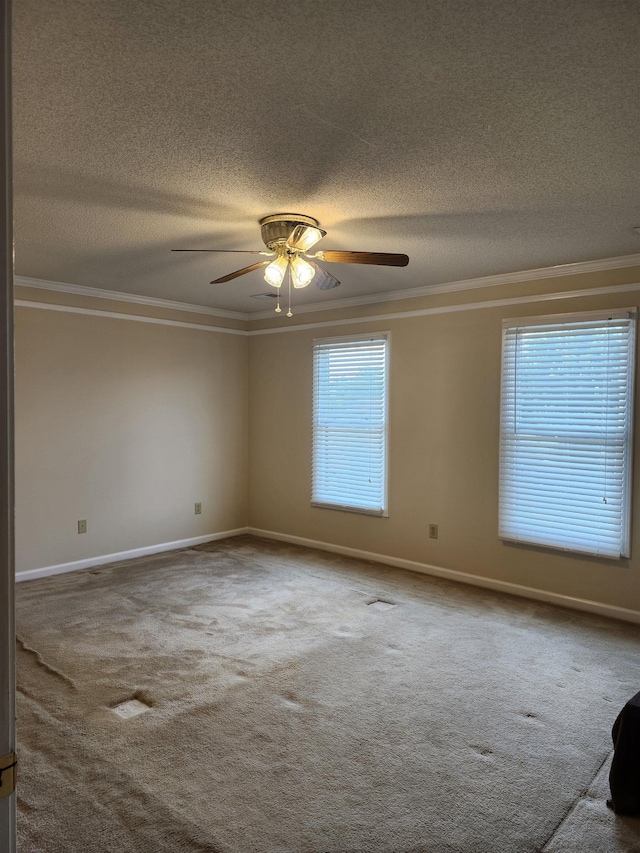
(478, 137)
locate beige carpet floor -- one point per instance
(301, 702)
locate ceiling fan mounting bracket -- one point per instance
(276, 229)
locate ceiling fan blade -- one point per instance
(237, 251)
(385, 259)
(323, 279)
(243, 271)
(303, 237)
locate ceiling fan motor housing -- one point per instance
(277, 229)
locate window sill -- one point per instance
(379, 513)
(531, 543)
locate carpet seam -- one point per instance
(43, 663)
(573, 805)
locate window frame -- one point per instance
(627, 490)
(371, 336)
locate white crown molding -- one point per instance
(104, 559)
(136, 318)
(578, 268)
(451, 309)
(81, 290)
(583, 604)
(398, 315)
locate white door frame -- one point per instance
(7, 629)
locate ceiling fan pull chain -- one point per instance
(289, 313)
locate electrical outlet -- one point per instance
(82, 525)
(433, 531)
(198, 509)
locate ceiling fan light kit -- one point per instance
(302, 272)
(274, 273)
(290, 236)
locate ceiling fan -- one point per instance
(289, 237)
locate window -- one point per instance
(350, 423)
(565, 444)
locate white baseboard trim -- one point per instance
(602, 609)
(62, 568)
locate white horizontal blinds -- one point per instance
(565, 433)
(349, 423)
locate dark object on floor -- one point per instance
(624, 777)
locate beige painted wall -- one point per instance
(443, 454)
(126, 424)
